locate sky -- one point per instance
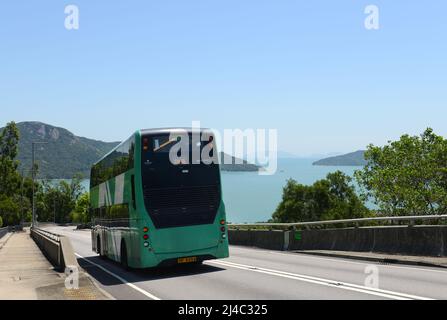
(309, 69)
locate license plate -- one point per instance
(187, 260)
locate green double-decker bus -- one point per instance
(149, 211)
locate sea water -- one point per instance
(250, 197)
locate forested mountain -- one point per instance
(64, 154)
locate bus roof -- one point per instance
(150, 131)
(167, 130)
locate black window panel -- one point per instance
(178, 194)
(117, 162)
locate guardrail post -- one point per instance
(286, 240)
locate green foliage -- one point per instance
(408, 176)
(1, 222)
(55, 202)
(9, 210)
(327, 199)
(9, 177)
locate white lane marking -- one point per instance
(344, 260)
(331, 282)
(147, 294)
(322, 281)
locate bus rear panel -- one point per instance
(151, 211)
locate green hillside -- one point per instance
(63, 155)
(66, 154)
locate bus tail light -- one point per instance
(145, 237)
(222, 222)
(222, 229)
(224, 236)
(145, 229)
(145, 144)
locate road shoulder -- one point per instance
(439, 262)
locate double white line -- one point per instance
(321, 281)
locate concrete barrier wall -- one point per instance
(59, 253)
(273, 240)
(416, 240)
(49, 247)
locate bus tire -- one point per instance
(98, 245)
(123, 259)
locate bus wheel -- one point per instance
(98, 248)
(124, 262)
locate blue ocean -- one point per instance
(250, 197)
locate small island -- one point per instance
(242, 167)
(354, 159)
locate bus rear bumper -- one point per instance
(184, 260)
(192, 257)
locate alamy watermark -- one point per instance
(72, 279)
(372, 278)
(72, 17)
(372, 20)
(242, 147)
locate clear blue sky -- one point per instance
(307, 68)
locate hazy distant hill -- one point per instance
(66, 154)
(351, 159)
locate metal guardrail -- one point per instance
(411, 219)
(52, 236)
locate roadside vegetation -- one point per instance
(60, 202)
(404, 177)
(332, 198)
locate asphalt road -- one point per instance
(261, 274)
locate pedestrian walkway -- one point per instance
(25, 274)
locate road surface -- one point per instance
(261, 274)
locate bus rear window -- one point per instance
(179, 194)
(162, 144)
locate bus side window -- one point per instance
(132, 182)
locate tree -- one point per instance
(9, 177)
(81, 212)
(57, 201)
(9, 210)
(408, 176)
(327, 199)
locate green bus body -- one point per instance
(121, 214)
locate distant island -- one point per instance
(66, 154)
(244, 166)
(356, 158)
